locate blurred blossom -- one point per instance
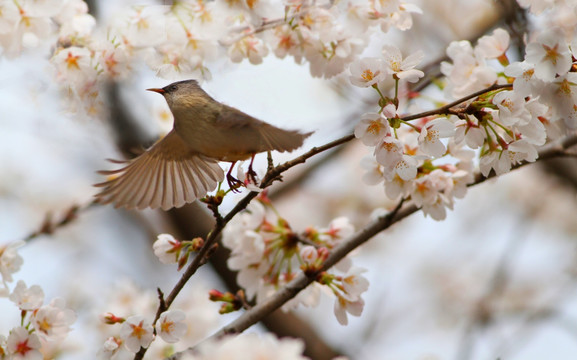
(251, 346)
(344, 306)
(27, 298)
(10, 260)
(549, 54)
(494, 45)
(21, 345)
(53, 321)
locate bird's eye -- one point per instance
(172, 88)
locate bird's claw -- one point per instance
(252, 176)
(233, 183)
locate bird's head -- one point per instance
(182, 93)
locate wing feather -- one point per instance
(168, 175)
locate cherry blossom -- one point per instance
(494, 45)
(431, 133)
(467, 72)
(561, 95)
(389, 151)
(372, 128)
(170, 326)
(344, 305)
(22, 345)
(405, 168)
(110, 347)
(27, 298)
(74, 65)
(367, 72)
(353, 283)
(338, 229)
(136, 332)
(52, 321)
(374, 174)
(249, 47)
(167, 249)
(512, 108)
(550, 54)
(470, 132)
(525, 83)
(10, 260)
(402, 69)
(251, 346)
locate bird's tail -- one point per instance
(282, 140)
(167, 175)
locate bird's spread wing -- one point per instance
(168, 175)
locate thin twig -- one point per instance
(49, 226)
(445, 109)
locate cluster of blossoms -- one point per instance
(175, 330)
(181, 39)
(268, 254)
(136, 332)
(41, 325)
(526, 103)
(251, 346)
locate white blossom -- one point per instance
(136, 332)
(550, 54)
(354, 283)
(403, 69)
(466, 73)
(170, 326)
(374, 174)
(27, 298)
(251, 346)
(10, 260)
(431, 133)
(525, 84)
(389, 151)
(512, 110)
(21, 345)
(494, 45)
(52, 321)
(344, 305)
(367, 72)
(166, 248)
(372, 128)
(74, 65)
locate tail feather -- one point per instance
(282, 140)
(167, 175)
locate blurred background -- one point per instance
(497, 278)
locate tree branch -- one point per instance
(301, 281)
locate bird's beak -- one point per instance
(160, 91)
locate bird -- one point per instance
(184, 165)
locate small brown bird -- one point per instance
(183, 166)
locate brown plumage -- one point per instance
(183, 166)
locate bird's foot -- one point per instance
(251, 176)
(233, 183)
